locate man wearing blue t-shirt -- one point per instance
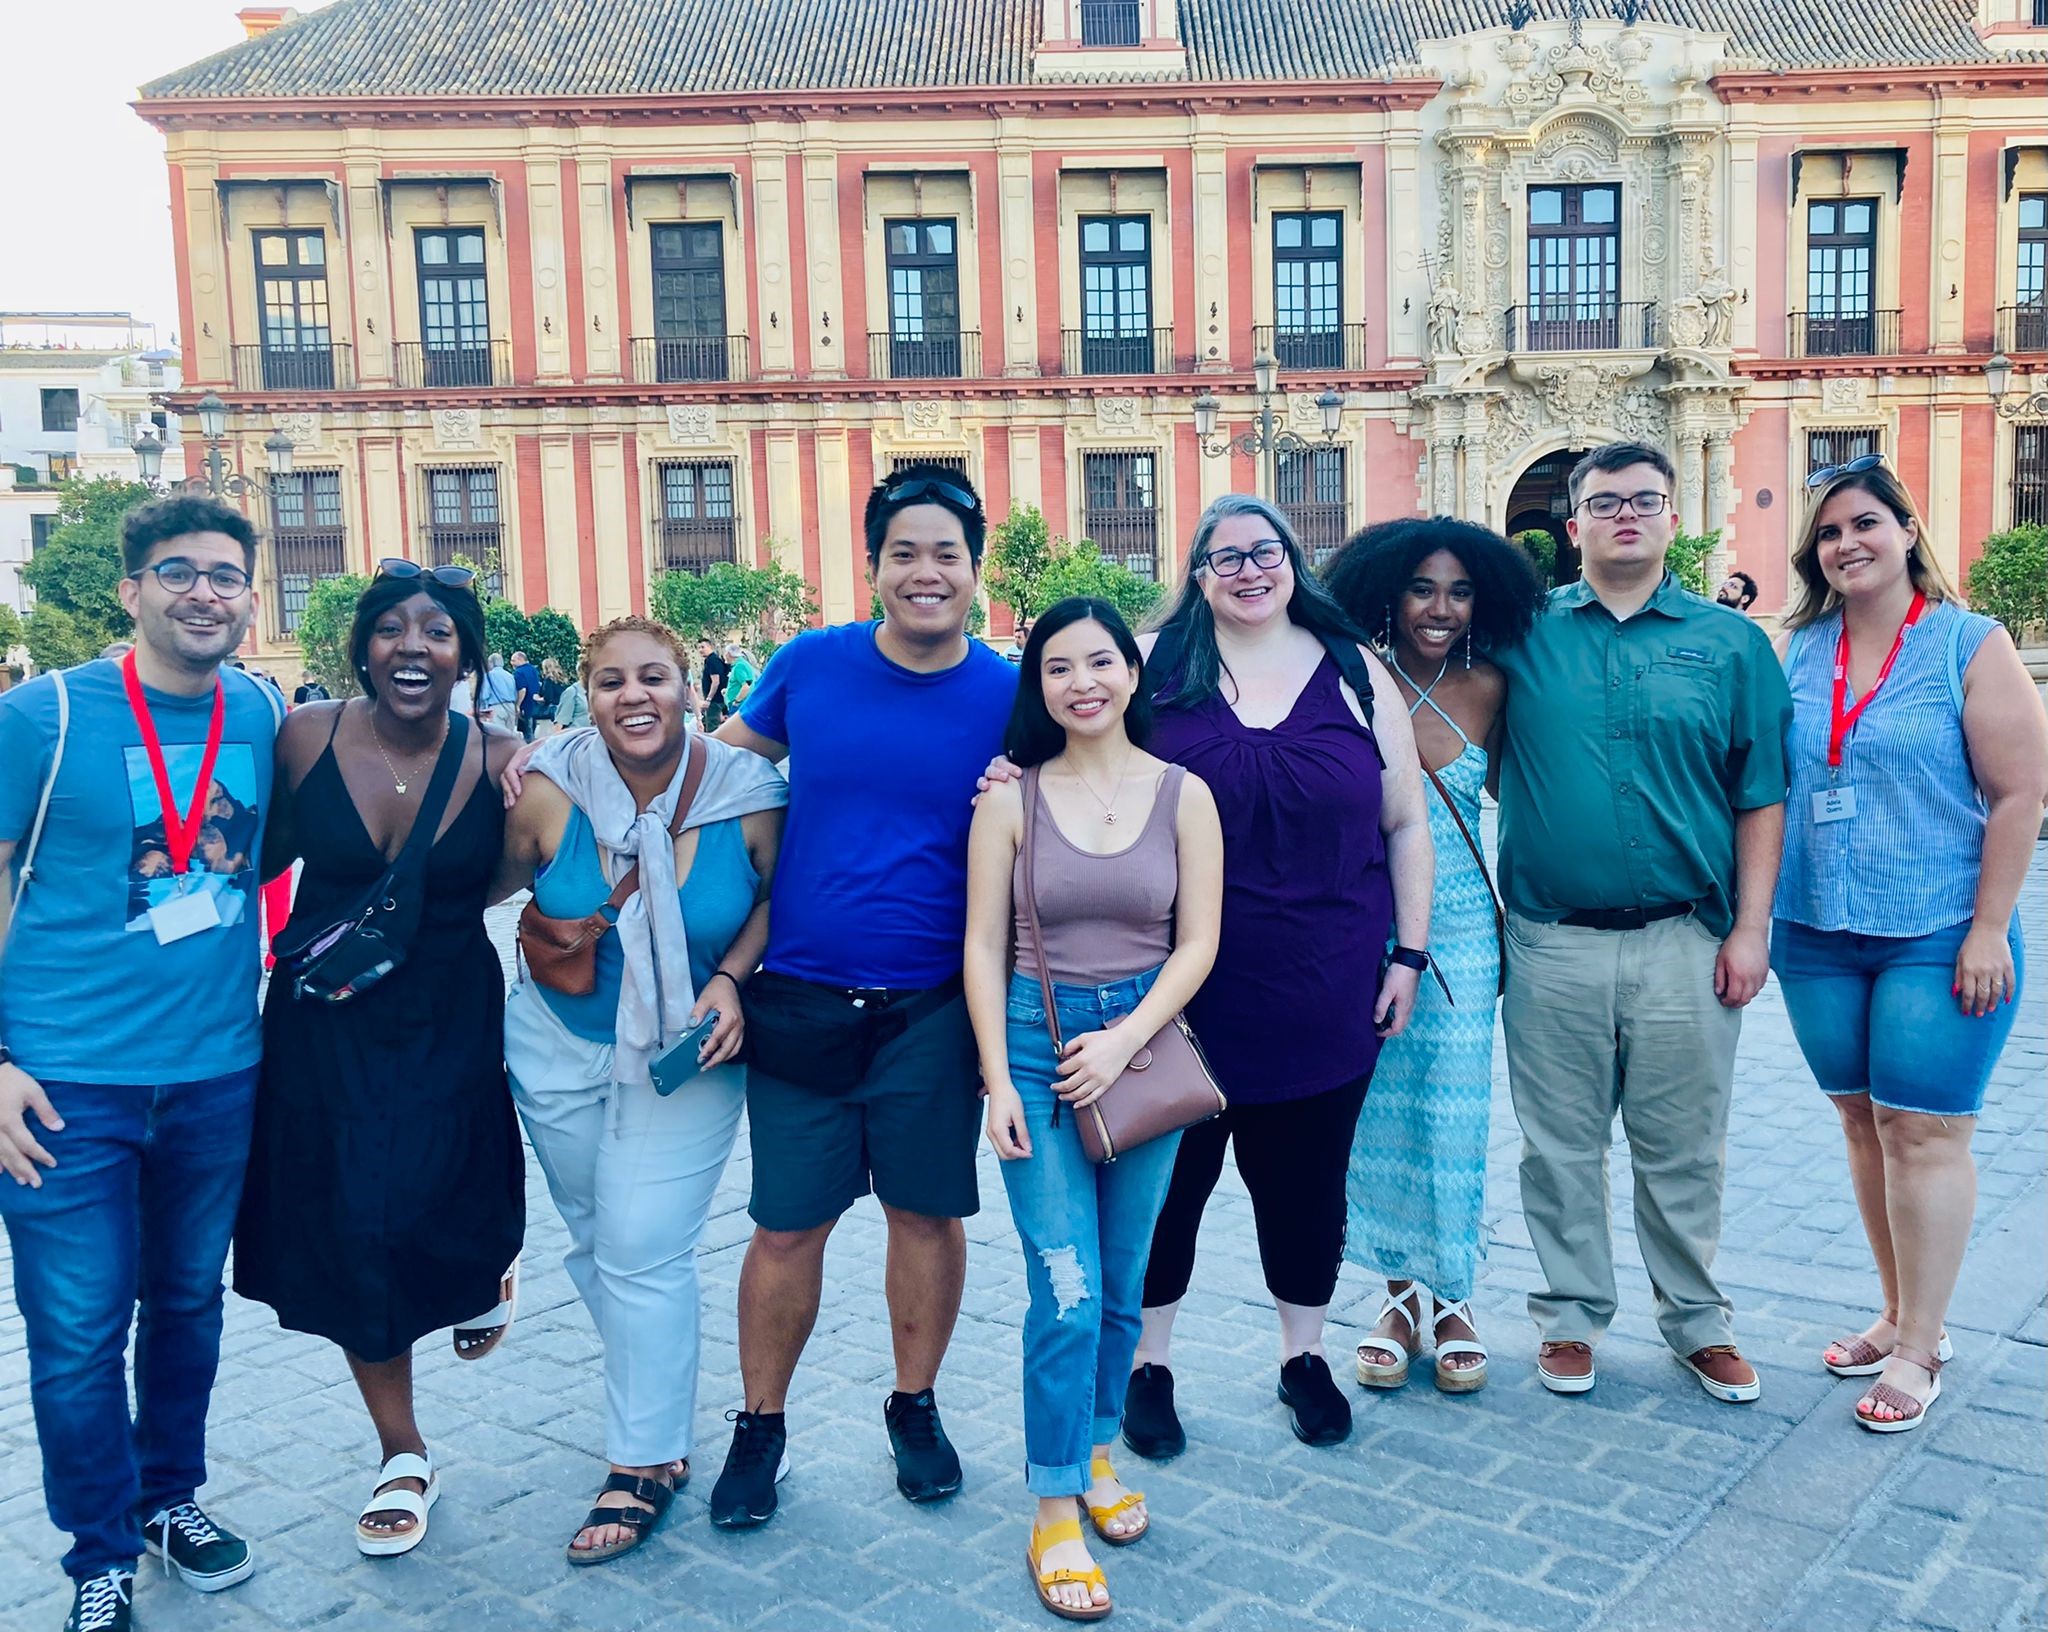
(864, 1069)
(129, 1041)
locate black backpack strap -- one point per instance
(1352, 670)
(1164, 663)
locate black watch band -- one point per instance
(1409, 958)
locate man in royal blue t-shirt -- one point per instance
(864, 1070)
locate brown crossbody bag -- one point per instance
(561, 953)
(1500, 917)
(1167, 1086)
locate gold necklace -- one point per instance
(397, 781)
(1116, 788)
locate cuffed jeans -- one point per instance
(1086, 1229)
(138, 1210)
(632, 1174)
(1599, 1021)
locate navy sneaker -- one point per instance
(102, 1603)
(1320, 1414)
(745, 1493)
(1151, 1424)
(196, 1550)
(927, 1466)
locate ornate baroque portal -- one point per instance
(1628, 332)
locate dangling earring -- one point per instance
(1387, 632)
(1468, 645)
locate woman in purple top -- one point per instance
(1326, 846)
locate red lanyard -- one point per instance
(1844, 723)
(179, 835)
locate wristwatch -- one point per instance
(1409, 958)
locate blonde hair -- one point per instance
(633, 625)
(1812, 596)
(552, 670)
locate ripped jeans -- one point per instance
(1087, 1232)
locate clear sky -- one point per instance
(87, 220)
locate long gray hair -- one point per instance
(1185, 624)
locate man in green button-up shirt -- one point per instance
(1642, 784)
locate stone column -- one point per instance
(1691, 470)
(1443, 475)
(1720, 498)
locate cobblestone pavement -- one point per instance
(1644, 1505)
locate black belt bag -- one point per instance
(826, 1037)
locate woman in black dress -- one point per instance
(386, 1193)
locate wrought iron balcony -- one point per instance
(697, 546)
(1842, 334)
(1572, 323)
(2024, 327)
(671, 359)
(435, 368)
(1128, 536)
(1147, 351)
(1337, 347)
(934, 355)
(1319, 528)
(294, 368)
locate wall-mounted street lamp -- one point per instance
(218, 478)
(1998, 381)
(1267, 440)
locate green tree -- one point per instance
(78, 569)
(323, 630)
(1019, 555)
(550, 633)
(1689, 555)
(764, 605)
(57, 639)
(1079, 569)
(2009, 580)
(1541, 548)
(506, 629)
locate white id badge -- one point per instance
(1834, 805)
(186, 913)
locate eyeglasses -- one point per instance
(1854, 467)
(1607, 506)
(398, 567)
(923, 486)
(180, 577)
(1268, 553)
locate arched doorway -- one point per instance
(1541, 501)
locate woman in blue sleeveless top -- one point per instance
(1439, 596)
(1919, 757)
(633, 1169)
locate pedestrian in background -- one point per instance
(1129, 918)
(1443, 597)
(527, 693)
(740, 675)
(574, 707)
(1919, 757)
(554, 680)
(1738, 590)
(1642, 788)
(712, 681)
(497, 696)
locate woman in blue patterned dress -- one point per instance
(1441, 595)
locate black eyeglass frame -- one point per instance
(1848, 467)
(396, 566)
(1239, 557)
(1630, 499)
(210, 574)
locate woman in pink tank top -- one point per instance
(1128, 868)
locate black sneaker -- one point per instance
(101, 1603)
(759, 1459)
(196, 1550)
(1321, 1414)
(927, 1466)
(1151, 1425)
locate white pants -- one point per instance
(632, 1174)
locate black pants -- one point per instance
(1292, 1157)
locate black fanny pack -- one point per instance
(824, 1037)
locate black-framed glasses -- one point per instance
(919, 487)
(1852, 467)
(398, 567)
(180, 577)
(1606, 506)
(1267, 554)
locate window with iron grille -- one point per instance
(455, 309)
(2030, 475)
(924, 298)
(697, 524)
(689, 300)
(60, 409)
(1121, 514)
(291, 300)
(956, 462)
(1841, 255)
(1312, 497)
(1111, 22)
(463, 520)
(1116, 294)
(1574, 265)
(1839, 446)
(1308, 288)
(307, 542)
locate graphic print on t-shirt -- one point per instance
(224, 855)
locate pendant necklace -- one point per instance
(1116, 789)
(398, 782)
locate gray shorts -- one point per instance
(908, 1131)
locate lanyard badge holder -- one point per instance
(1837, 802)
(191, 909)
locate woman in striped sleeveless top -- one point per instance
(1919, 757)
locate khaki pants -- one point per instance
(1598, 1021)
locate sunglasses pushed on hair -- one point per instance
(919, 487)
(1853, 467)
(454, 577)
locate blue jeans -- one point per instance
(1086, 1229)
(139, 1209)
(1877, 1015)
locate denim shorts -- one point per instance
(1877, 1015)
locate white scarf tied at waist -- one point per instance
(656, 993)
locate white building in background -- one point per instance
(76, 389)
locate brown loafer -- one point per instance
(1723, 1373)
(1565, 1368)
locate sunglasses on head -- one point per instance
(929, 486)
(453, 577)
(1853, 467)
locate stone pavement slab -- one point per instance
(1640, 1507)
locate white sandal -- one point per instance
(390, 1543)
(1377, 1374)
(488, 1330)
(1457, 1379)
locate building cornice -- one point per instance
(1881, 81)
(1926, 364)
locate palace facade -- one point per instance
(678, 286)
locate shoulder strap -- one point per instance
(1465, 833)
(426, 826)
(272, 697)
(1029, 857)
(1351, 665)
(1164, 661)
(27, 871)
(698, 756)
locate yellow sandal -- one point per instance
(1045, 1580)
(1098, 1470)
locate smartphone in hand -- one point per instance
(679, 1062)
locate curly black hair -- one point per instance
(1368, 575)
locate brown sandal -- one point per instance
(1913, 1411)
(1863, 1358)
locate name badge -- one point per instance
(1834, 805)
(189, 912)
